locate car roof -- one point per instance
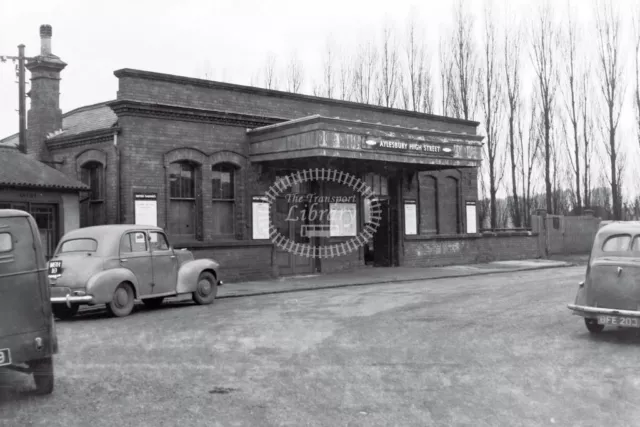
(9, 213)
(619, 227)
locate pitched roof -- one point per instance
(84, 119)
(19, 170)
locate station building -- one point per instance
(197, 157)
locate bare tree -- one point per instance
(270, 74)
(586, 116)
(571, 102)
(636, 98)
(610, 71)
(544, 42)
(389, 69)
(295, 72)
(464, 63)
(417, 86)
(491, 96)
(327, 87)
(512, 44)
(446, 78)
(530, 152)
(345, 79)
(365, 73)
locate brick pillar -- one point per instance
(45, 115)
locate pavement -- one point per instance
(483, 351)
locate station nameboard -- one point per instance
(413, 147)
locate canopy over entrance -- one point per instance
(317, 136)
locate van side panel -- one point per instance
(21, 272)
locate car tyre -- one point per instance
(206, 289)
(593, 326)
(122, 301)
(63, 312)
(43, 377)
(153, 302)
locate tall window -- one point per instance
(379, 184)
(450, 205)
(223, 183)
(429, 205)
(92, 174)
(182, 199)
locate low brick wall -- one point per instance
(441, 250)
(239, 260)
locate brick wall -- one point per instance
(233, 261)
(468, 249)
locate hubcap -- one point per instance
(121, 297)
(205, 287)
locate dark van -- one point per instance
(28, 338)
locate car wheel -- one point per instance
(206, 289)
(42, 370)
(62, 312)
(122, 301)
(593, 326)
(153, 302)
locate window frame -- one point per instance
(614, 236)
(146, 243)
(90, 172)
(61, 251)
(223, 167)
(193, 169)
(10, 242)
(164, 236)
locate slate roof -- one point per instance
(84, 119)
(19, 170)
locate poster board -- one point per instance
(343, 219)
(472, 218)
(260, 217)
(410, 218)
(146, 208)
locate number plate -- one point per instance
(5, 357)
(55, 268)
(628, 322)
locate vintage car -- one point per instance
(610, 293)
(118, 264)
(28, 337)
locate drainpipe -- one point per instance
(119, 182)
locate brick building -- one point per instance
(197, 157)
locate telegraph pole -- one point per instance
(22, 101)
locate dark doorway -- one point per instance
(382, 242)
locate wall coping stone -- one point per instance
(222, 244)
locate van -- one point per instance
(28, 338)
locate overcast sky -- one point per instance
(232, 38)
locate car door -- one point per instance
(136, 257)
(165, 263)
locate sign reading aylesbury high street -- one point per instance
(427, 148)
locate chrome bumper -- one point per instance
(583, 309)
(72, 299)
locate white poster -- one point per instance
(410, 218)
(146, 209)
(471, 218)
(260, 218)
(342, 217)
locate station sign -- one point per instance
(409, 147)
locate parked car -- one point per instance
(118, 264)
(610, 293)
(28, 337)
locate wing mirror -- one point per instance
(581, 284)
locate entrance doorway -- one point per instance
(291, 222)
(381, 250)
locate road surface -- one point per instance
(497, 350)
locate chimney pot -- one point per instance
(45, 39)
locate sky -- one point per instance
(230, 38)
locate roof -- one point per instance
(10, 213)
(84, 119)
(613, 227)
(108, 236)
(19, 170)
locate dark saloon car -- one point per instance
(610, 293)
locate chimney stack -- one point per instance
(45, 40)
(45, 115)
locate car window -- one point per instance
(79, 245)
(6, 244)
(134, 242)
(635, 246)
(158, 241)
(619, 243)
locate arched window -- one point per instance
(92, 212)
(450, 205)
(182, 199)
(429, 205)
(223, 198)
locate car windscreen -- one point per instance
(78, 245)
(617, 243)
